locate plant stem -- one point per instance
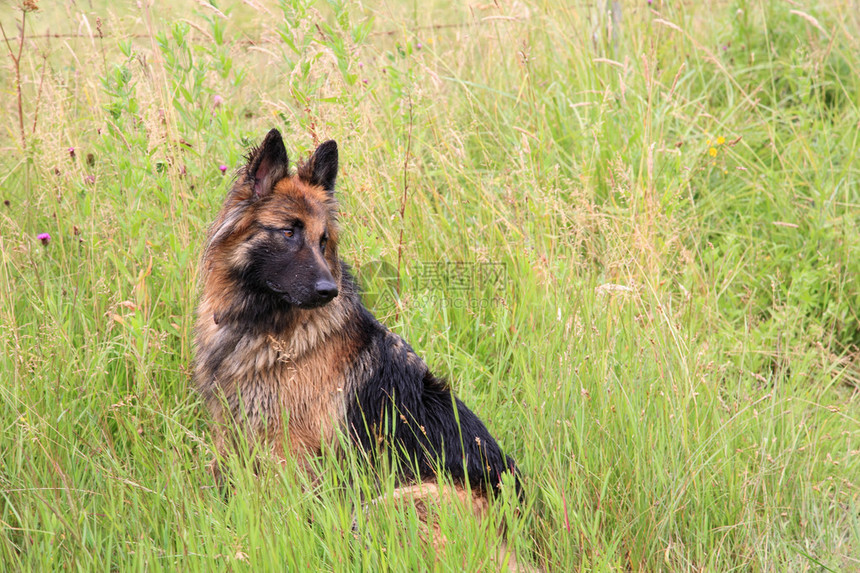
(17, 61)
(403, 204)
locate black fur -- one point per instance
(414, 418)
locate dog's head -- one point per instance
(277, 232)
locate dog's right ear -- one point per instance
(267, 164)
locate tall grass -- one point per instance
(630, 242)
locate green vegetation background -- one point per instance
(671, 351)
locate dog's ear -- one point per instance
(267, 164)
(321, 168)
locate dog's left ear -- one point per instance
(321, 168)
(268, 164)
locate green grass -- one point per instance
(670, 352)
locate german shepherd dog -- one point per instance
(289, 357)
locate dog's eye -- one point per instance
(288, 233)
(323, 241)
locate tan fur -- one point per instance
(297, 376)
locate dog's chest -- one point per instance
(277, 390)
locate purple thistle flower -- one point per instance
(72, 152)
(90, 179)
(223, 168)
(44, 237)
(217, 101)
(419, 45)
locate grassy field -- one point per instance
(631, 241)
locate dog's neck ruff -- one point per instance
(309, 329)
(292, 331)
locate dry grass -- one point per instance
(669, 350)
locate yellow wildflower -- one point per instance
(721, 140)
(712, 152)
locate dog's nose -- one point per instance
(326, 289)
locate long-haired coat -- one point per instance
(287, 354)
